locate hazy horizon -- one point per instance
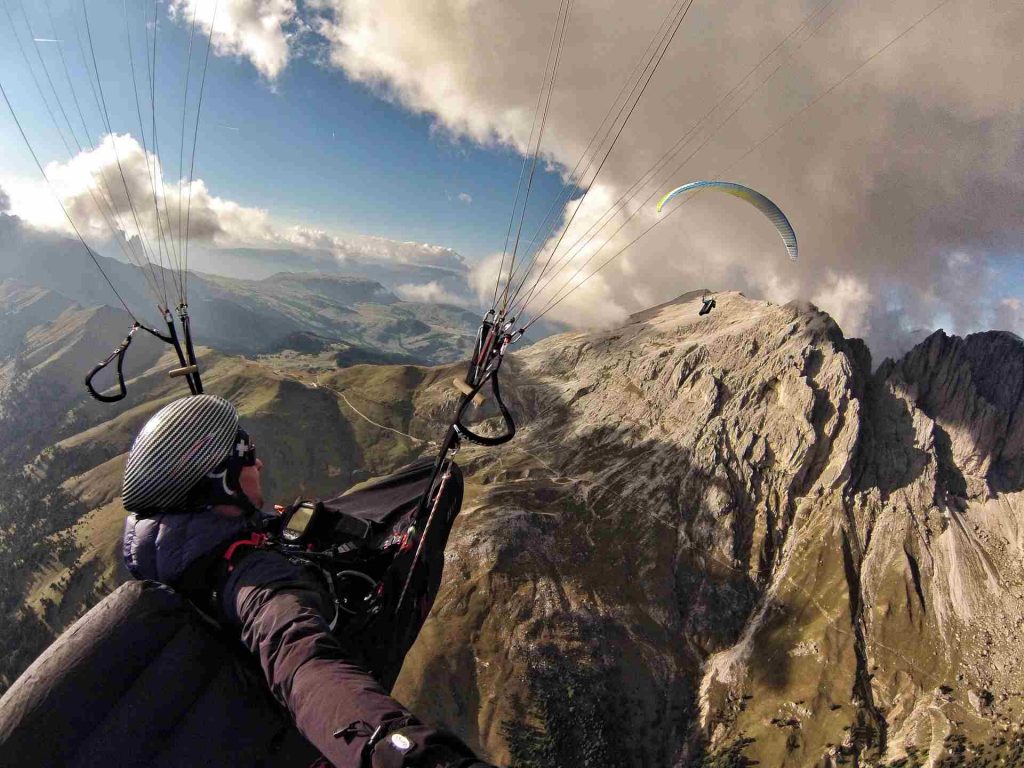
(395, 133)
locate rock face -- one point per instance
(720, 538)
(714, 540)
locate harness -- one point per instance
(256, 540)
(368, 545)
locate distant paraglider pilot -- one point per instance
(192, 486)
(707, 304)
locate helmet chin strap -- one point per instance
(223, 485)
(250, 509)
(219, 491)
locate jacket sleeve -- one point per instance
(317, 675)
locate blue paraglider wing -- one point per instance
(752, 196)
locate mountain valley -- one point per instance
(715, 540)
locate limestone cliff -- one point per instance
(714, 540)
(723, 537)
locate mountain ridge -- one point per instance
(726, 534)
(244, 316)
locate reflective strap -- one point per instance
(256, 541)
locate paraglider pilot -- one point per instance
(192, 486)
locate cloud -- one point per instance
(1010, 316)
(465, 197)
(117, 187)
(901, 182)
(408, 252)
(260, 30)
(901, 177)
(562, 283)
(113, 193)
(432, 292)
(845, 295)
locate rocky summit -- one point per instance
(717, 540)
(724, 539)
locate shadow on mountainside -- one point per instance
(972, 392)
(666, 558)
(633, 545)
(616, 583)
(599, 568)
(888, 456)
(667, 573)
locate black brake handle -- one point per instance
(463, 431)
(117, 354)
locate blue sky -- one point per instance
(322, 150)
(311, 147)
(890, 134)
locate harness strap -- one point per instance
(255, 540)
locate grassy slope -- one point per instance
(567, 601)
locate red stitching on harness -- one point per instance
(256, 541)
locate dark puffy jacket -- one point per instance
(323, 678)
(143, 681)
(282, 610)
(163, 547)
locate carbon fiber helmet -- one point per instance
(176, 449)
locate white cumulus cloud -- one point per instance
(255, 29)
(432, 292)
(115, 191)
(117, 187)
(884, 169)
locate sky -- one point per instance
(890, 134)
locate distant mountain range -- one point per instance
(715, 540)
(448, 273)
(248, 316)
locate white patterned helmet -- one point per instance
(176, 449)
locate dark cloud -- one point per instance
(890, 134)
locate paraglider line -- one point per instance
(536, 153)
(760, 143)
(665, 25)
(571, 186)
(181, 149)
(647, 82)
(195, 139)
(151, 64)
(526, 159)
(161, 242)
(623, 200)
(113, 143)
(843, 79)
(117, 233)
(106, 189)
(39, 165)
